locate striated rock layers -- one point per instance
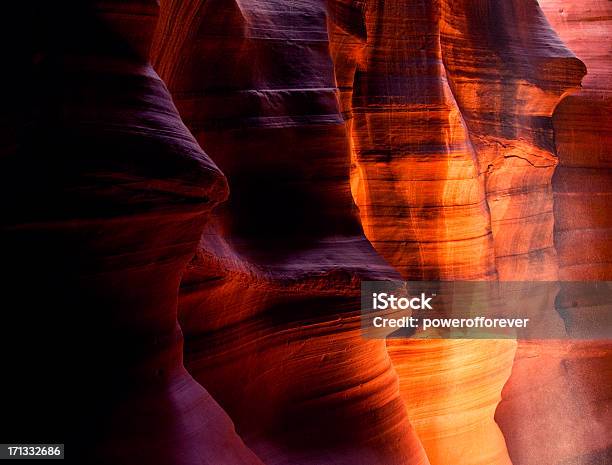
(451, 106)
(106, 194)
(571, 399)
(582, 182)
(208, 312)
(423, 206)
(270, 304)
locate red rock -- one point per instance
(360, 141)
(110, 195)
(453, 151)
(569, 402)
(270, 305)
(583, 136)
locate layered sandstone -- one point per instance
(360, 140)
(577, 375)
(423, 205)
(110, 193)
(583, 135)
(453, 150)
(270, 304)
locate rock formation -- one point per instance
(583, 133)
(108, 194)
(270, 304)
(189, 292)
(453, 150)
(571, 398)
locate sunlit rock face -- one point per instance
(423, 204)
(450, 107)
(509, 70)
(110, 193)
(349, 140)
(270, 304)
(417, 180)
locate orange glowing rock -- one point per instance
(349, 140)
(453, 157)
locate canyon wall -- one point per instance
(451, 108)
(574, 378)
(270, 304)
(106, 193)
(582, 182)
(196, 268)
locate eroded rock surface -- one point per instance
(453, 155)
(570, 398)
(270, 304)
(352, 140)
(109, 194)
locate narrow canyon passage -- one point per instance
(446, 109)
(195, 191)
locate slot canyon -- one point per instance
(194, 191)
